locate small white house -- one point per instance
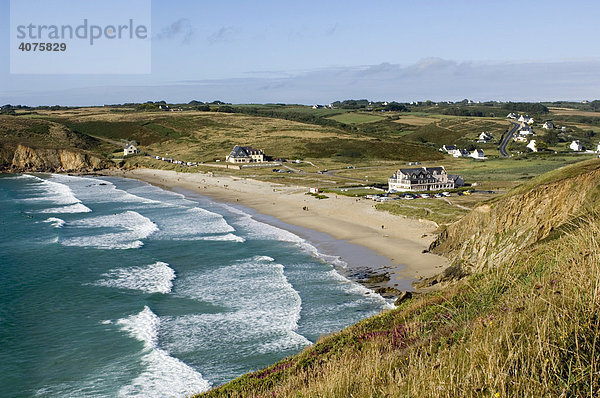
(576, 146)
(526, 119)
(513, 116)
(598, 148)
(484, 137)
(520, 138)
(477, 154)
(130, 149)
(532, 146)
(525, 130)
(313, 190)
(548, 125)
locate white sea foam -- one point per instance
(352, 287)
(55, 222)
(257, 230)
(164, 376)
(46, 191)
(131, 226)
(261, 306)
(21, 177)
(153, 278)
(76, 208)
(191, 224)
(226, 237)
(96, 190)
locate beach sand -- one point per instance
(399, 240)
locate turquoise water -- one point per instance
(112, 287)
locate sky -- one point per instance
(320, 51)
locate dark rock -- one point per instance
(402, 298)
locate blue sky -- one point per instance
(321, 51)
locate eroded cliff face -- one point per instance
(495, 233)
(25, 158)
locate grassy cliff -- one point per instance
(525, 322)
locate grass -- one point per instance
(527, 328)
(356, 118)
(436, 210)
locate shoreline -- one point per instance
(397, 248)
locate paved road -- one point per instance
(506, 140)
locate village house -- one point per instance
(526, 119)
(130, 149)
(513, 116)
(532, 146)
(598, 148)
(484, 137)
(523, 134)
(422, 179)
(245, 154)
(477, 154)
(576, 146)
(548, 125)
(454, 151)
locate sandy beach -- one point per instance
(397, 239)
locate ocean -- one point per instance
(112, 287)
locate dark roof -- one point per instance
(240, 152)
(426, 172)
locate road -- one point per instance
(506, 140)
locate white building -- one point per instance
(512, 115)
(532, 146)
(576, 146)
(421, 179)
(520, 138)
(526, 119)
(548, 125)
(477, 154)
(245, 154)
(598, 148)
(130, 149)
(484, 137)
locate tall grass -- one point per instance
(528, 328)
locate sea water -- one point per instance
(113, 287)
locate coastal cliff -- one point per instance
(26, 158)
(495, 232)
(31, 144)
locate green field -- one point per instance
(356, 118)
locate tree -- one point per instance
(541, 145)
(395, 106)
(551, 137)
